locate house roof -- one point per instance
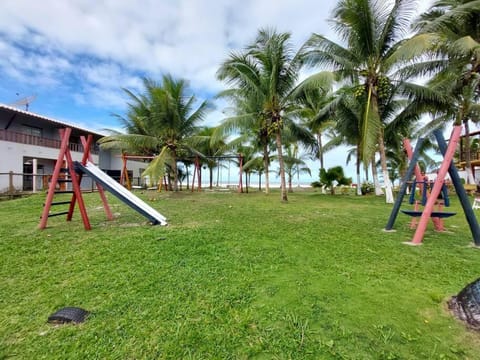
(53, 121)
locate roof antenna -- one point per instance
(27, 100)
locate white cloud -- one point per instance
(188, 38)
(84, 51)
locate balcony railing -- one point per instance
(16, 137)
(474, 155)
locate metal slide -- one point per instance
(122, 193)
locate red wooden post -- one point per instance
(88, 156)
(124, 173)
(194, 173)
(77, 192)
(65, 136)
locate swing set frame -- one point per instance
(446, 166)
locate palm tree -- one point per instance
(294, 164)
(266, 71)
(249, 159)
(373, 32)
(454, 23)
(315, 100)
(329, 177)
(256, 165)
(247, 121)
(347, 117)
(212, 149)
(160, 122)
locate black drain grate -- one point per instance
(68, 315)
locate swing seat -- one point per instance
(435, 214)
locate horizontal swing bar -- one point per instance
(435, 214)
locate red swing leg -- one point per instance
(437, 222)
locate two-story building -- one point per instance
(29, 148)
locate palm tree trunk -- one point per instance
(265, 162)
(175, 170)
(376, 182)
(468, 157)
(359, 186)
(320, 149)
(386, 178)
(283, 187)
(210, 169)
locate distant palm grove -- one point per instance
(390, 74)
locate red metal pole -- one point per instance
(437, 187)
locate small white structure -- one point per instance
(476, 204)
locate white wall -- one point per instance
(13, 155)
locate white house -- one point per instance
(29, 148)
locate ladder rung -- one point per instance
(59, 203)
(58, 214)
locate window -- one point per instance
(32, 130)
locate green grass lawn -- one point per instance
(234, 277)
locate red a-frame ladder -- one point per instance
(65, 156)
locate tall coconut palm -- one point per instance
(372, 32)
(246, 120)
(249, 159)
(267, 70)
(456, 25)
(348, 113)
(161, 122)
(295, 164)
(256, 165)
(315, 101)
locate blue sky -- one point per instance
(75, 56)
